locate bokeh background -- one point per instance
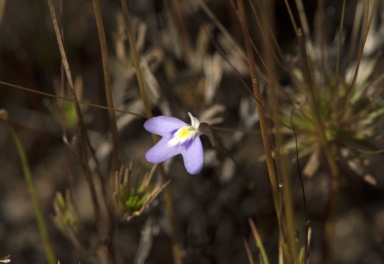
(194, 68)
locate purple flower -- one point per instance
(177, 138)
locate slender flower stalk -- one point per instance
(48, 248)
(176, 243)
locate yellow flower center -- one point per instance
(185, 132)
(182, 135)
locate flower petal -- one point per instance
(193, 156)
(163, 125)
(162, 151)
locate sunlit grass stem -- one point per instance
(48, 248)
(260, 107)
(281, 214)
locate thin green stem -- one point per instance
(259, 242)
(259, 107)
(48, 248)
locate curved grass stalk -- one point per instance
(83, 152)
(260, 108)
(288, 213)
(48, 248)
(289, 251)
(286, 196)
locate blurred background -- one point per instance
(193, 60)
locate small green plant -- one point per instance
(64, 112)
(351, 123)
(134, 190)
(66, 218)
(337, 116)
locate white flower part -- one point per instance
(186, 133)
(194, 121)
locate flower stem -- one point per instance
(176, 244)
(48, 248)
